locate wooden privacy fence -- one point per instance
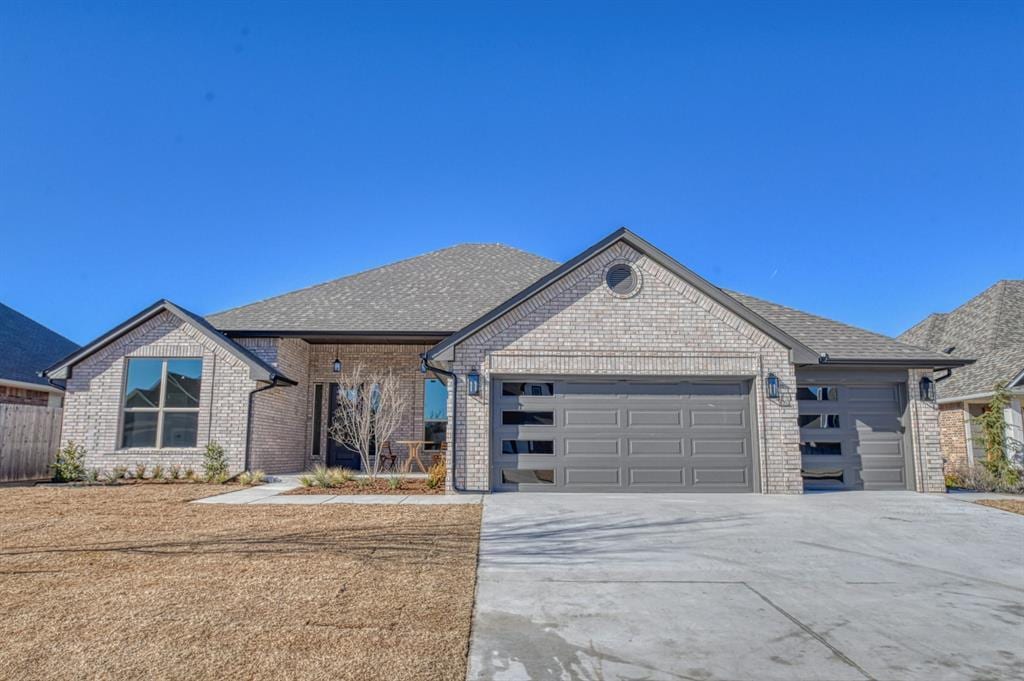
(29, 440)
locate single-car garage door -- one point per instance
(621, 436)
(852, 434)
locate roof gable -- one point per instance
(800, 352)
(258, 369)
(26, 346)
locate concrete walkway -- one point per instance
(855, 586)
(271, 493)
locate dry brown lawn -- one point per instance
(134, 583)
(1011, 505)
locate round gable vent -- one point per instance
(622, 279)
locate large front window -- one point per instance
(435, 412)
(161, 402)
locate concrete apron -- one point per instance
(841, 586)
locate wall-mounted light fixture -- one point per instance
(336, 367)
(772, 386)
(473, 383)
(927, 389)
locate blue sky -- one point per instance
(860, 161)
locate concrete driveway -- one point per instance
(824, 587)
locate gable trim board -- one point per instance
(258, 369)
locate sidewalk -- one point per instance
(271, 492)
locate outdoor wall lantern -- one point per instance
(772, 385)
(336, 367)
(927, 389)
(473, 383)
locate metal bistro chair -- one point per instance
(388, 459)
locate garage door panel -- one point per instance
(720, 477)
(638, 477)
(591, 476)
(632, 435)
(591, 447)
(878, 423)
(655, 447)
(591, 417)
(718, 417)
(875, 393)
(648, 417)
(718, 447)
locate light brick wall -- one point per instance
(576, 327)
(953, 435)
(92, 407)
(404, 360)
(278, 431)
(924, 431)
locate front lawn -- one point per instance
(1011, 505)
(133, 582)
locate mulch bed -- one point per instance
(133, 582)
(378, 486)
(1011, 505)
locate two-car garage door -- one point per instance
(622, 435)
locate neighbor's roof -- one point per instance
(431, 294)
(990, 327)
(27, 347)
(841, 341)
(259, 370)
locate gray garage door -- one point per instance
(852, 436)
(621, 436)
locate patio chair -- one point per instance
(440, 454)
(388, 459)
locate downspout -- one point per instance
(248, 426)
(427, 366)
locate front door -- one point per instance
(339, 455)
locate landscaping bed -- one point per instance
(1011, 505)
(378, 486)
(131, 581)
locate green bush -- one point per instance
(395, 482)
(158, 472)
(92, 475)
(175, 472)
(70, 463)
(140, 471)
(215, 463)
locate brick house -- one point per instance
(990, 328)
(619, 370)
(27, 346)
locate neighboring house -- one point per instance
(990, 328)
(26, 348)
(619, 370)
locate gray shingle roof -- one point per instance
(27, 346)
(435, 293)
(840, 341)
(989, 327)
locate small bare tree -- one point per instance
(371, 405)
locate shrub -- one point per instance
(140, 471)
(981, 478)
(190, 474)
(70, 463)
(252, 477)
(92, 475)
(215, 464)
(320, 477)
(361, 483)
(395, 482)
(158, 472)
(339, 476)
(175, 472)
(119, 472)
(436, 475)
